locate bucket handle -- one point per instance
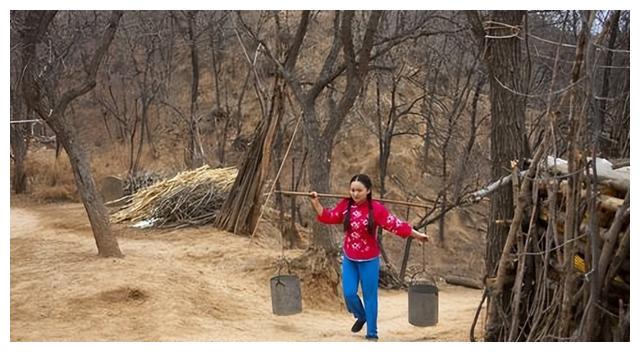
(423, 271)
(281, 263)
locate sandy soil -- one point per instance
(179, 285)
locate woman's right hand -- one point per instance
(315, 202)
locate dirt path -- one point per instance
(179, 285)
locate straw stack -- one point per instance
(190, 198)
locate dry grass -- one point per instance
(50, 179)
(113, 161)
(61, 193)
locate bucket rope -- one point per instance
(424, 262)
(424, 266)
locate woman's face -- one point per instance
(358, 192)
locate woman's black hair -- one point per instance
(366, 181)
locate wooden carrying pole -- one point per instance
(330, 195)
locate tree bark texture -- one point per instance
(502, 56)
(19, 147)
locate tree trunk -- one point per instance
(429, 89)
(319, 171)
(132, 144)
(144, 128)
(195, 155)
(621, 125)
(19, 149)
(91, 199)
(18, 138)
(612, 24)
(508, 140)
(37, 24)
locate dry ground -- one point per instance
(180, 285)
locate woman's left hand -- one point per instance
(420, 236)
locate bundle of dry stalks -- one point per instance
(190, 198)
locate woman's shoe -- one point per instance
(372, 338)
(357, 326)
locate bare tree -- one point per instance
(450, 133)
(221, 116)
(450, 68)
(192, 31)
(613, 109)
(356, 65)
(33, 27)
(461, 170)
(20, 138)
(388, 120)
(19, 147)
(135, 78)
(497, 37)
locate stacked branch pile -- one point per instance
(190, 198)
(565, 271)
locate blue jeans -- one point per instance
(366, 273)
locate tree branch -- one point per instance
(92, 70)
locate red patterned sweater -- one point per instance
(358, 244)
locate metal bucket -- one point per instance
(286, 297)
(423, 303)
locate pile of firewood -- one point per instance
(190, 198)
(564, 274)
(598, 260)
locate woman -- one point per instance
(361, 263)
